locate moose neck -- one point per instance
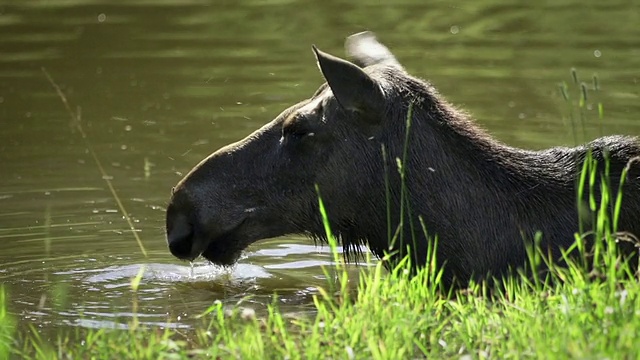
(463, 184)
(461, 157)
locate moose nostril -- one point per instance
(180, 238)
(180, 249)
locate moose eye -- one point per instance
(295, 132)
(296, 128)
(296, 136)
(299, 126)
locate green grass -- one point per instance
(390, 316)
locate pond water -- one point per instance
(161, 84)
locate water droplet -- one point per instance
(597, 53)
(454, 29)
(102, 17)
(128, 128)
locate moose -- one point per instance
(386, 150)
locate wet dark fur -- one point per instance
(482, 198)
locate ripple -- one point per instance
(176, 273)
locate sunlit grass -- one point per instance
(7, 326)
(392, 315)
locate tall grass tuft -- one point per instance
(76, 122)
(7, 326)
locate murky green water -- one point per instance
(160, 84)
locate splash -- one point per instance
(118, 276)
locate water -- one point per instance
(160, 84)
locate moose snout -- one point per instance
(180, 237)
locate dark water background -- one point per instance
(161, 84)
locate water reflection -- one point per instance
(89, 291)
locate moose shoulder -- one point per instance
(483, 199)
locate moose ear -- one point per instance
(352, 87)
(366, 50)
